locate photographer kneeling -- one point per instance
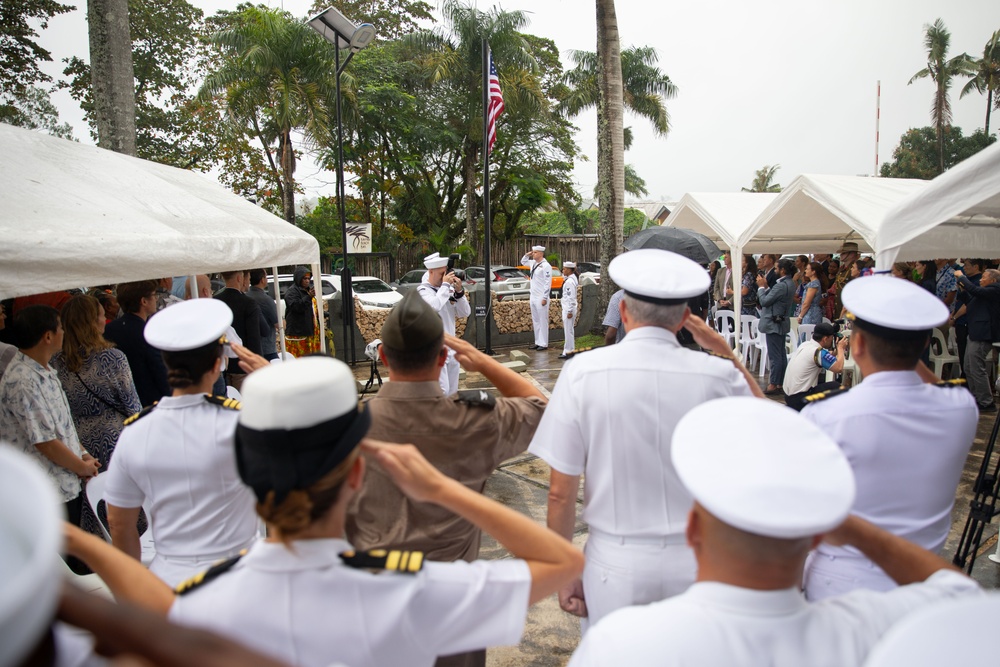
(812, 357)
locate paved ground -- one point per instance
(522, 483)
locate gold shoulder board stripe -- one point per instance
(224, 401)
(957, 382)
(208, 575)
(393, 560)
(139, 415)
(823, 395)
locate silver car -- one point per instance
(507, 281)
(409, 281)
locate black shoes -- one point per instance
(563, 356)
(539, 348)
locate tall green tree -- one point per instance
(763, 180)
(21, 96)
(274, 75)
(941, 70)
(644, 89)
(452, 55)
(917, 155)
(986, 77)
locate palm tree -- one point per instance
(941, 70)
(453, 56)
(763, 180)
(275, 75)
(642, 89)
(986, 77)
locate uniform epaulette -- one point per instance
(823, 395)
(393, 560)
(727, 357)
(139, 415)
(477, 397)
(228, 403)
(957, 382)
(202, 578)
(579, 350)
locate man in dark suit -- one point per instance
(138, 301)
(246, 318)
(983, 311)
(769, 264)
(268, 313)
(776, 304)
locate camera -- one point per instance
(453, 259)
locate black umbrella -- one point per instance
(696, 247)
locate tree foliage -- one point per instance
(392, 18)
(917, 154)
(986, 77)
(763, 180)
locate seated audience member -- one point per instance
(34, 415)
(304, 594)
(906, 434)
(810, 359)
(761, 503)
(138, 300)
(177, 459)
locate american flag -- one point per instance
(495, 105)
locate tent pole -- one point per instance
(281, 315)
(737, 294)
(319, 306)
(192, 284)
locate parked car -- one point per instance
(330, 284)
(507, 281)
(408, 281)
(374, 293)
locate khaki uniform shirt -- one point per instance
(465, 441)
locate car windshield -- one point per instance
(370, 287)
(328, 288)
(412, 276)
(509, 273)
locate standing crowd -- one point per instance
(301, 526)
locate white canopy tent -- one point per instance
(956, 215)
(76, 215)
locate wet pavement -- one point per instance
(521, 483)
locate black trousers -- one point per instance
(74, 513)
(962, 335)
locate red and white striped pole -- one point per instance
(878, 105)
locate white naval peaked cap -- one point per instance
(297, 395)
(435, 261)
(31, 526)
(939, 634)
(658, 276)
(569, 265)
(902, 307)
(538, 248)
(188, 325)
(796, 484)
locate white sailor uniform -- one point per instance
(718, 624)
(303, 605)
(178, 461)
(440, 299)
(907, 442)
(541, 286)
(569, 310)
(611, 418)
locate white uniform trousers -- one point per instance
(569, 326)
(622, 572)
(540, 321)
(449, 375)
(828, 575)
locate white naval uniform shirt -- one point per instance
(304, 606)
(541, 278)
(439, 299)
(568, 299)
(907, 442)
(179, 462)
(718, 624)
(611, 417)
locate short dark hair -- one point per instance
(226, 275)
(786, 266)
(980, 263)
(32, 322)
(256, 275)
(900, 354)
(130, 295)
(411, 361)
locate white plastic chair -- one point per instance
(233, 392)
(95, 492)
(88, 583)
(725, 324)
(749, 335)
(940, 357)
(806, 332)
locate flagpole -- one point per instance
(486, 196)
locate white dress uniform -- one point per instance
(439, 299)
(303, 605)
(717, 624)
(787, 488)
(178, 462)
(541, 286)
(906, 440)
(611, 417)
(569, 311)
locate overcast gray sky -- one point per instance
(789, 82)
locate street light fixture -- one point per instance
(343, 33)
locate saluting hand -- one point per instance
(707, 337)
(466, 353)
(249, 361)
(408, 468)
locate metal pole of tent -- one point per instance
(276, 293)
(738, 296)
(316, 268)
(192, 282)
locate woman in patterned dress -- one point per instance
(96, 378)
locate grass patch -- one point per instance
(589, 340)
